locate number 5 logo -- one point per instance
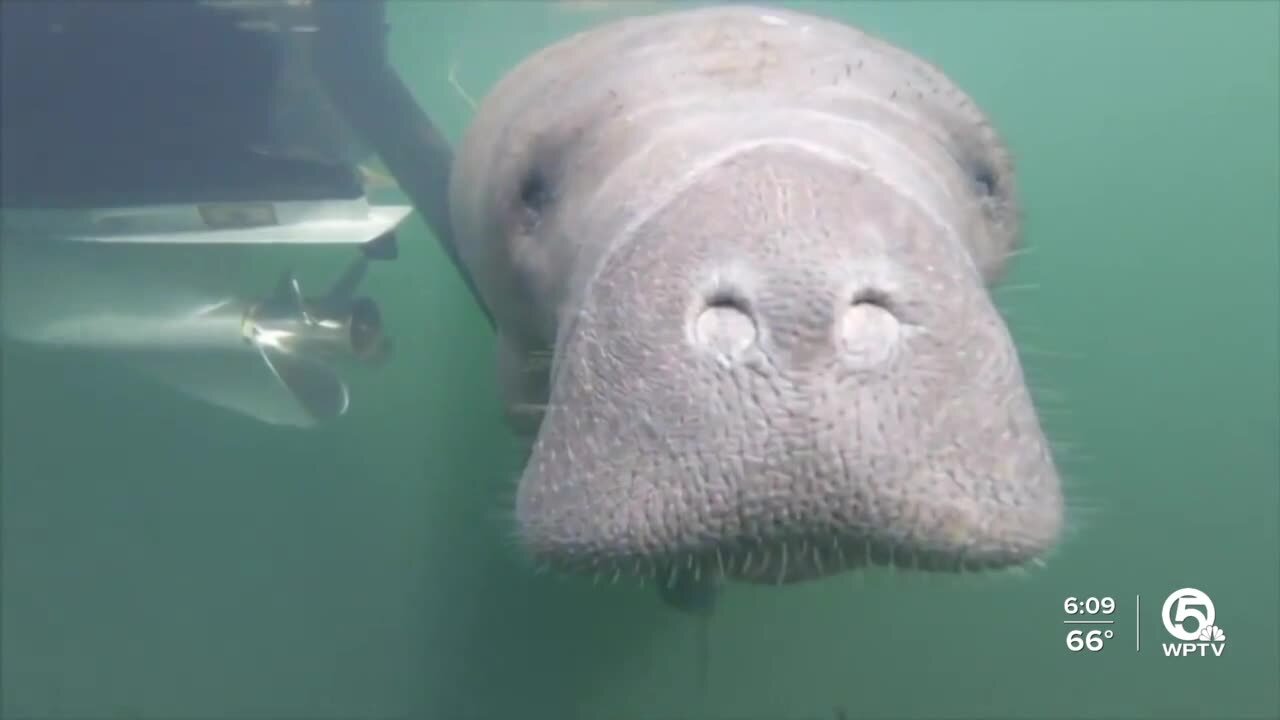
(1186, 604)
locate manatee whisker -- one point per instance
(529, 408)
(1032, 350)
(457, 86)
(1017, 253)
(1002, 289)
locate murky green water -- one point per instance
(163, 560)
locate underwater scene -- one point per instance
(639, 360)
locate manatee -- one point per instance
(740, 263)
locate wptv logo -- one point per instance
(1188, 615)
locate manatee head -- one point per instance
(756, 254)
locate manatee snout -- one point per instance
(788, 371)
(759, 264)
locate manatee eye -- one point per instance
(536, 195)
(535, 191)
(984, 176)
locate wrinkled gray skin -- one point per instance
(739, 260)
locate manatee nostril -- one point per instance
(871, 297)
(725, 325)
(869, 332)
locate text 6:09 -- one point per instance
(1090, 606)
